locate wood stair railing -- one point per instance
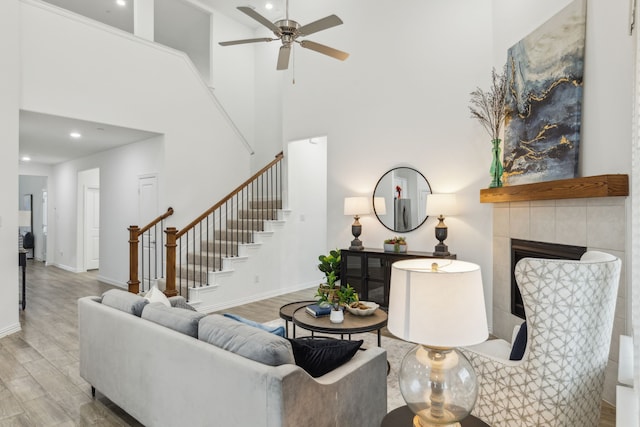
(136, 234)
(217, 233)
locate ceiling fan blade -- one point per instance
(261, 19)
(326, 50)
(232, 42)
(283, 57)
(319, 25)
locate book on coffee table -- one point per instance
(316, 311)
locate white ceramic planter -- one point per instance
(389, 247)
(336, 316)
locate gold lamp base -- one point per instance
(418, 423)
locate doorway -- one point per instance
(88, 224)
(307, 192)
(91, 228)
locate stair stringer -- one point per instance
(259, 273)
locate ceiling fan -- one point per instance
(287, 31)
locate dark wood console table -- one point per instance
(369, 271)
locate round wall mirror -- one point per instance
(400, 199)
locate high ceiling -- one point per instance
(45, 138)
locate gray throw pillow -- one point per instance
(180, 302)
(245, 340)
(124, 301)
(178, 319)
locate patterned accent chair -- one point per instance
(569, 307)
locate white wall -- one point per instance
(81, 69)
(9, 104)
(234, 84)
(120, 169)
(400, 99)
(183, 26)
(77, 68)
(608, 74)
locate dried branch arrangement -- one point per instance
(489, 107)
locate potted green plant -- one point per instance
(396, 244)
(332, 292)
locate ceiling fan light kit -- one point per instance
(287, 31)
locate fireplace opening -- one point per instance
(527, 248)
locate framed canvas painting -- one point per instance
(544, 100)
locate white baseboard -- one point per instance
(67, 268)
(208, 308)
(11, 329)
(109, 281)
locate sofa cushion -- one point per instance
(519, 344)
(180, 302)
(277, 330)
(124, 301)
(156, 295)
(245, 340)
(178, 319)
(320, 355)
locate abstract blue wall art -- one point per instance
(544, 100)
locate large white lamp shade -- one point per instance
(443, 308)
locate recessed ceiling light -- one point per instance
(268, 6)
(25, 158)
(75, 135)
(121, 3)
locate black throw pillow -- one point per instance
(519, 344)
(320, 355)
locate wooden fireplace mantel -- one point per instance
(574, 188)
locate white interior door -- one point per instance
(148, 210)
(92, 228)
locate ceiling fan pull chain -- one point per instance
(293, 72)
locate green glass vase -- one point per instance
(496, 165)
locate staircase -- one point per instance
(208, 249)
(228, 244)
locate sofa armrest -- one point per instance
(356, 390)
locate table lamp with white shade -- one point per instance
(439, 305)
(441, 205)
(356, 206)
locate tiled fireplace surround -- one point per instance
(597, 223)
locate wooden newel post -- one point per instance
(170, 290)
(134, 283)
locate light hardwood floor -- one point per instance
(39, 380)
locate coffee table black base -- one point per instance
(403, 416)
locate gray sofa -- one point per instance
(163, 377)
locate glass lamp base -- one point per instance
(439, 386)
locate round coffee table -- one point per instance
(403, 416)
(286, 313)
(352, 324)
